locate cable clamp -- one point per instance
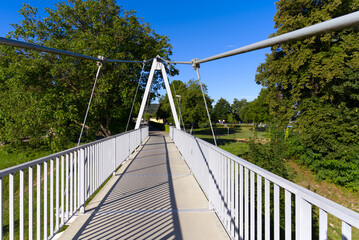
(195, 65)
(102, 60)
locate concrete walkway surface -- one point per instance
(152, 196)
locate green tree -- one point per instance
(314, 82)
(221, 110)
(191, 102)
(258, 110)
(44, 97)
(237, 105)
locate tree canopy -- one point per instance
(237, 106)
(221, 110)
(191, 102)
(314, 82)
(256, 111)
(43, 97)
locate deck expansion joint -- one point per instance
(153, 175)
(148, 211)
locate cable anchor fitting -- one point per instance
(102, 60)
(195, 65)
(144, 64)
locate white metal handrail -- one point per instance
(235, 192)
(64, 182)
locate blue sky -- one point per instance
(197, 29)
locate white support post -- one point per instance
(169, 95)
(147, 91)
(157, 65)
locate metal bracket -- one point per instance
(101, 62)
(195, 65)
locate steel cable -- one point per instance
(99, 64)
(134, 99)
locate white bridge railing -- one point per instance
(52, 189)
(249, 200)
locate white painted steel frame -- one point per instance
(157, 65)
(213, 168)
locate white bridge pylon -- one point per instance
(157, 64)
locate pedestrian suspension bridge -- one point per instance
(144, 184)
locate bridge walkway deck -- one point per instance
(152, 196)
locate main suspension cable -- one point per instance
(99, 64)
(196, 67)
(134, 99)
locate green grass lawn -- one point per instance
(225, 136)
(9, 158)
(236, 148)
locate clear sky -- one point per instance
(196, 29)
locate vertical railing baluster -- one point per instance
(78, 178)
(75, 181)
(276, 212)
(21, 223)
(267, 208)
(303, 219)
(11, 207)
(1, 215)
(82, 180)
(62, 214)
(323, 225)
(67, 188)
(346, 231)
(236, 206)
(93, 168)
(38, 204)
(241, 219)
(102, 162)
(223, 212)
(252, 215)
(96, 166)
(288, 215)
(45, 200)
(57, 193)
(30, 202)
(71, 182)
(232, 199)
(297, 217)
(228, 193)
(246, 204)
(87, 173)
(259, 207)
(52, 197)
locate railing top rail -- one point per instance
(327, 205)
(335, 24)
(25, 165)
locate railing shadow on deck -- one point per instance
(126, 207)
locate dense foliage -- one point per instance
(237, 106)
(191, 102)
(256, 111)
(272, 155)
(221, 110)
(43, 97)
(314, 82)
